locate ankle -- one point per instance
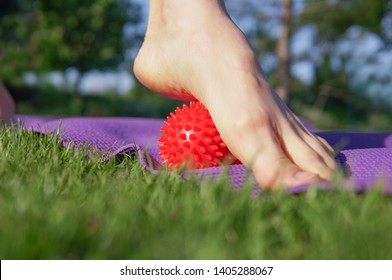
(184, 15)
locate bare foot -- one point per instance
(7, 105)
(193, 50)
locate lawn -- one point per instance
(57, 203)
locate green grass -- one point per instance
(57, 203)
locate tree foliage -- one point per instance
(45, 35)
(333, 18)
(338, 18)
(332, 26)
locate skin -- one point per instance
(193, 50)
(7, 105)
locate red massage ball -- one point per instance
(191, 140)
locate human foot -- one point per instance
(7, 105)
(194, 51)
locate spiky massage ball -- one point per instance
(191, 140)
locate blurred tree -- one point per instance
(283, 50)
(46, 35)
(353, 33)
(387, 24)
(269, 27)
(338, 17)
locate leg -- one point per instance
(7, 105)
(192, 50)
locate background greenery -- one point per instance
(42, 36)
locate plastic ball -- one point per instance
(190, 140)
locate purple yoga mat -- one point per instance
(366, 158)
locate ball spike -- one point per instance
(190, 139)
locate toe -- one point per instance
(311, 155)
(275, 173)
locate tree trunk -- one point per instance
(283, 51)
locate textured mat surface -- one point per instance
(366, 158)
